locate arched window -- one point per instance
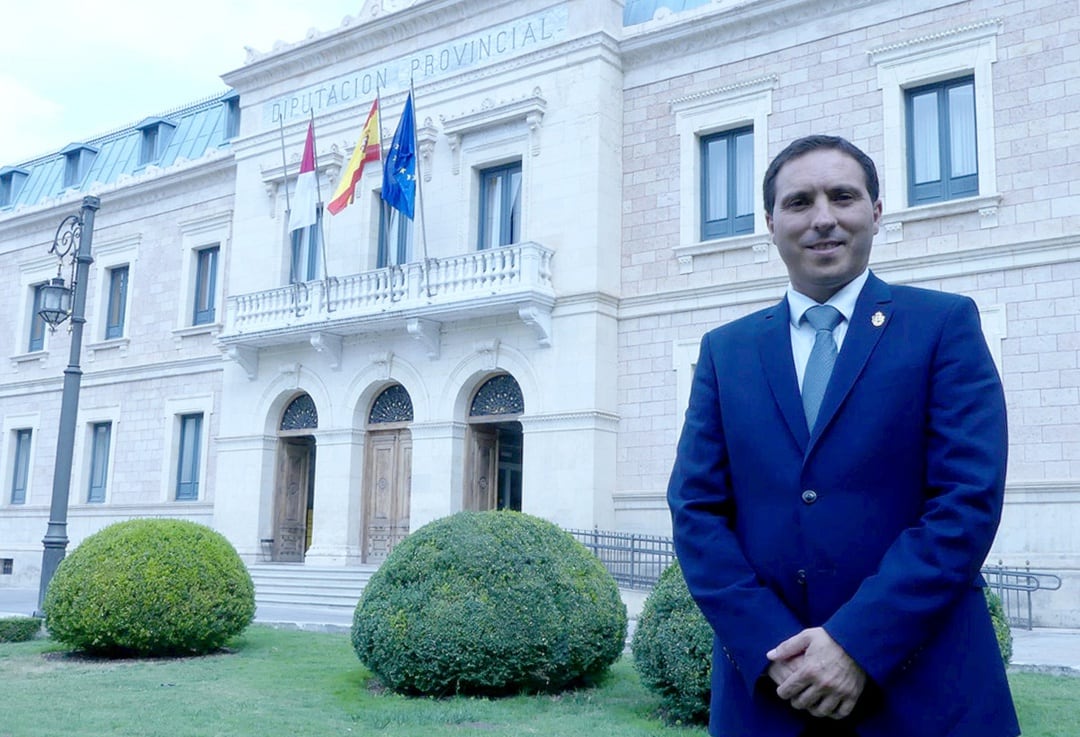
(393, 405)
(300, 414)
(499, 395)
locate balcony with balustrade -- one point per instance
(416, 298)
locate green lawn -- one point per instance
(293, 684)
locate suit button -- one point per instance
(809, 496)
(800, 577)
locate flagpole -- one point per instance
(419, 197)
(385, 212)
(284, 168)
(294, 292)
(319, 215)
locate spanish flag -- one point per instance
(367, 149)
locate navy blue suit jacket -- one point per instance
(874, 526)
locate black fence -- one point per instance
(635, 561)
(1015, 587)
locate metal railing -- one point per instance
(1015, 586)
(635, 561)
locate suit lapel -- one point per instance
(774, 347)
(872, 315)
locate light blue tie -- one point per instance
(822, 318)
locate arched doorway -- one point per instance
(387, 473)
(495, 443)
(294, 481)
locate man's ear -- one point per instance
(769, 222)
(877, 215)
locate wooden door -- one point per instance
(481, 474)
(387, 486)
(291, 500)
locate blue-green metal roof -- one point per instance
(641, 11)
(200, 126)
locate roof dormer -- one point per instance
(11, 183)
(77, 160)
(156, 134)
(231, 101)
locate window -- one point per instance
(37, 323)
(100, 440)
(187, 467)
(206, 260)
(77, 160)
(727, 183)
(114, 319)
(11, 182)
(948, 168)
(304, 264)
(395, 237)
(942, 152)
(500, 206)
(156, 134)
(719, 158)
(231, 100)
(20, 477)
(202, 243)
(148, 152)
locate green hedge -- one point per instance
(19, 629)
(150, 587)
(1001, 625)
(672, 649)
(489, 603)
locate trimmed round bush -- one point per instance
(489, 603)
(150, 587)
(672, 649)
(1001, 624)
(19, 629)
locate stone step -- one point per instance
(309, 586)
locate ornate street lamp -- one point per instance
(59, 302)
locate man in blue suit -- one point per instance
(837, 557)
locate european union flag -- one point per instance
(399, 171)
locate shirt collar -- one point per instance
(844, 300)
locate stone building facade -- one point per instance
(588, 176)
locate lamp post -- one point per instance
(58, 302)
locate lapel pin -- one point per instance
(877, 319)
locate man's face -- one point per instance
(823, 222)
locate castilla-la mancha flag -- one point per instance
(367, 149)
(306, 200)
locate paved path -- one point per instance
(1042, 649)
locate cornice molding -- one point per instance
(931, 42)
(148, 186)
(356, 37)
(564, 421)
(604, 46)
(899, 271)
(706, 97)
(1042, 492)
(661, 39)
(209, 364)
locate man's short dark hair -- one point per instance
(802, 146)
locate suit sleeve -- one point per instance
(935, 562)
(748, 618)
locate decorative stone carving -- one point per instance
(330, 345)
(247, 357)
(427, 332)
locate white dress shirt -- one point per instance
(802, 334)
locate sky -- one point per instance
(73, 69)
